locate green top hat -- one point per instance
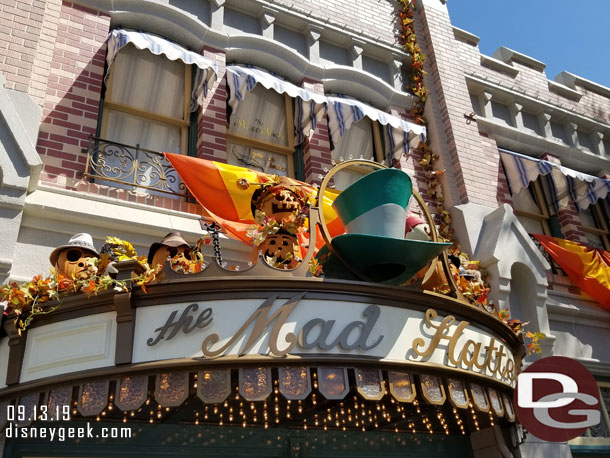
(373, 211)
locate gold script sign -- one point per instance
(490, 358)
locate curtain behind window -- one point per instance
(147, 82)
(355, 143)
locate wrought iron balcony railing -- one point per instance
(131, 167)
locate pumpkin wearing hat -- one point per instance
(279, 200)
(72, 258)
(172, 245)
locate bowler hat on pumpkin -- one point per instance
(173, 239)
(83, 241)
(373, 211)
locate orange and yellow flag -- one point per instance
(215, 186)
(587, 267)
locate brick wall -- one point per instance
(373, 18)
(72, 96)
(212, 120)
(535, 83)
(27, 34)
(474, 171)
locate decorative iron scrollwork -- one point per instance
(132, 166)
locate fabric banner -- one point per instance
(587, 267)
(566, 184)
(215, 186)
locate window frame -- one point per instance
(288, 150)
(598, 217)
(184, 123)
(541, 202)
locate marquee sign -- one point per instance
(311, 328)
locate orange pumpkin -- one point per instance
(72, 262)
(280, 204)
(284, 248)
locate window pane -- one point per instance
(355, 143)
(148, 82)
(261, 115)
(524, 201)
(133, 130)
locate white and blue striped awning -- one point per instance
(565, 184)
(402, 135)
(206, 68)
(342, 112)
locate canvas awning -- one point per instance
(342, 111)
(206, 68)
(565, 184)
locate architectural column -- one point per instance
(516, 115)
(572, 133)
(485, 98)
(267, 19)
(470, 183)
(396, 65)
(313, 41)
(218, 12)
(316, 148)
(597, 138)
(545, 122)
(355, 51)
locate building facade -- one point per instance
(91, 91)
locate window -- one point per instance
(361, 141)
(261, 132)
(147, 101)
(531, 209)
(595, 224)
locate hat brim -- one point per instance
(155, 246)
(55, 253)
(380, 259)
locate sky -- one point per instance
(572, 36)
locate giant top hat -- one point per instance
(373, 211)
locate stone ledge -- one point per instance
(465, 36)
(499, 66)
(508, 55)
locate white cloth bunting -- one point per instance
(206, 68)
(565, 184)
(342, 112)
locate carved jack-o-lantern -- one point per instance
(164, 251)
(72, 262)
(280, 204)
(284, 248)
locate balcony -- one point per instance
(132, 168)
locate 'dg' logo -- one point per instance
(557, 399)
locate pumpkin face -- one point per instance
(284, 248)
(164, 251)
(72, 262)
(280, 204)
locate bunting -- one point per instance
(215, 186)
(565, 184)
(587, 267)
(206, 68)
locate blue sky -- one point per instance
(566, 35)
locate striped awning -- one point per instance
(342, 112)
(565, 184)
(206, 68)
